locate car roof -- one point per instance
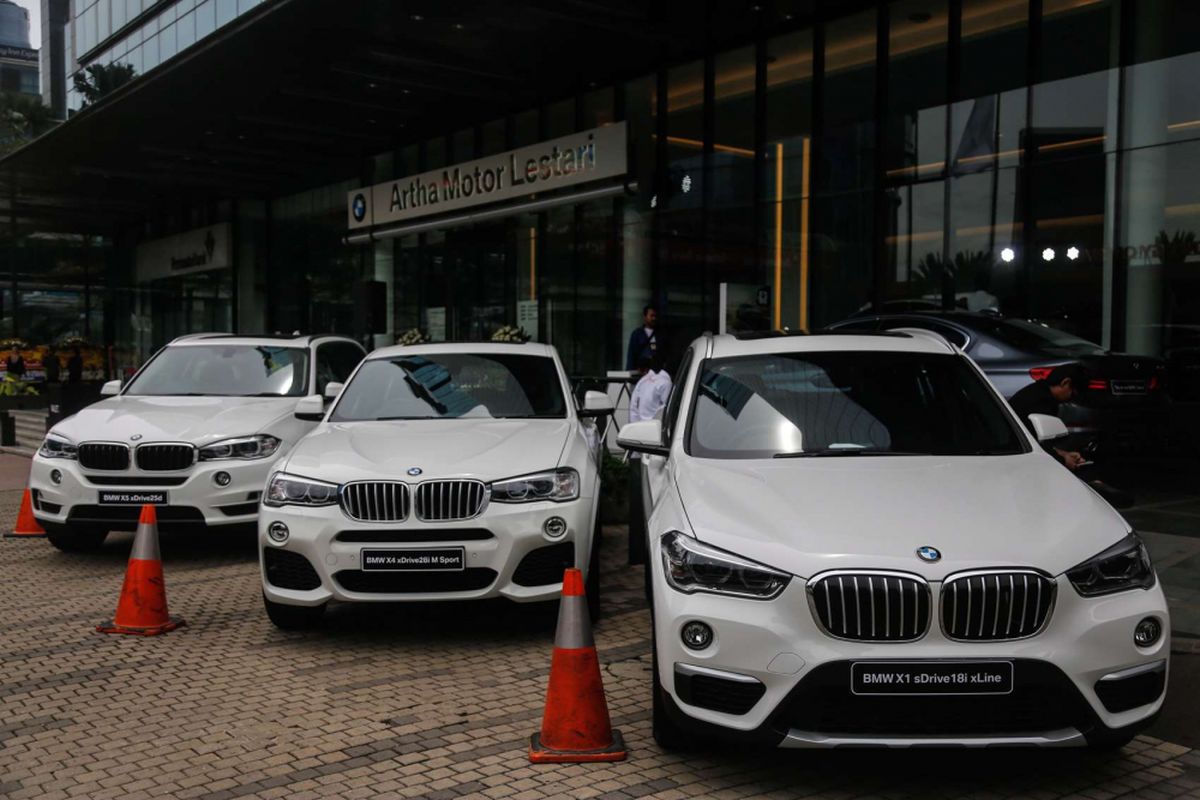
(516, 348)
(969, 319)
(259, 339)
(889, 342)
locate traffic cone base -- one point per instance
(142, 609)
(576, 726)
(540, 754)
(27, 525)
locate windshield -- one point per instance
(227, 370)
(453, 385)
(1040, 338)
(846, 404)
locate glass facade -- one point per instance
(142, 33)
(1036, 157)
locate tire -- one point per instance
(1109, 742)
(76, 540)
(293, 618)
(592, 584)
(668, 734)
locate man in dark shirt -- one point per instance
(75, 367)
(1045, 396)
(643, 341)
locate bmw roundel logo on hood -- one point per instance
(359, 207)
(414, 471)
(929, 554)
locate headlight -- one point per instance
(291, 490)
(259, 446)
(692, 566)
(54, 446)
(558, 485)
(1125, 565)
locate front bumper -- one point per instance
(506, 554)
(803, 685)
(194, 500)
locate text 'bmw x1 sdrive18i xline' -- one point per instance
(855, 543)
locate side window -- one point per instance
(676, 398)
(335, 362)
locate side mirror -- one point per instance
(1046, 427)
(333, 389)
(311, 408)
(643, 437)
(110, 388)
(596, 404)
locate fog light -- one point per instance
(222, 478)
(55, 476)
(696, 635)
(278, 532)
(555, 527)
(1147, 632)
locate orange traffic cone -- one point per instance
(26, 525)
(575, 726)
(142, 609)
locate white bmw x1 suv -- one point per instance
(442, 472)
(855, 542)
(194, 432)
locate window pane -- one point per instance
(789, 115)
(1161, 101)
(915, 143)
(206, 19)
(226, 11)
(732, 174)
(186, 30)
(167, 42)
(1070, 101)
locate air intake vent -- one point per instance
(375, 501)
(442, 501)
(991, 606)
(163, 457)
(871, 606)
(103, 455)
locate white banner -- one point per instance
(578, 158)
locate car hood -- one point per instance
(199, 420)
(487, 449)
(809, 515)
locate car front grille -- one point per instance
(162, 457)
(103, 455)
(996, 605)
(375, 501)
(871, 605)
(441, 501)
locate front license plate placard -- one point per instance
(931, 677)
(436, 559)
(108, 498)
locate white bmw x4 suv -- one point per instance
(855, 542)
(195, 432)
(442, 472)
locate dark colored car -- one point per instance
(1122, 405)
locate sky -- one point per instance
(34, 7)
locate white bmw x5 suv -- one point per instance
(194, 432)
(442, 472)
(855, 542)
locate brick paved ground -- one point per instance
(395, 702)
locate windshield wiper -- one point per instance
(846, 452)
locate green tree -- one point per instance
(22, 117)
(98, 80)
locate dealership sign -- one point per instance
(579, 158)
(198, 250)
(18, 53)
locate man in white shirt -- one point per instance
(650, 393)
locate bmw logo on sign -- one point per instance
(929, 554)
(359, 208)
(414, 471)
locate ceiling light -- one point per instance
(1072, 252)
(1048, 254)
(458, 26)
(1007, 255)
(416, 17)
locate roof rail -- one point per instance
(204, 335)
(932, 336)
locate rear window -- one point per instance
(1034, 336)
(847, 404)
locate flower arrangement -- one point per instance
(10, 343)
(412, 336)
(511, 333)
